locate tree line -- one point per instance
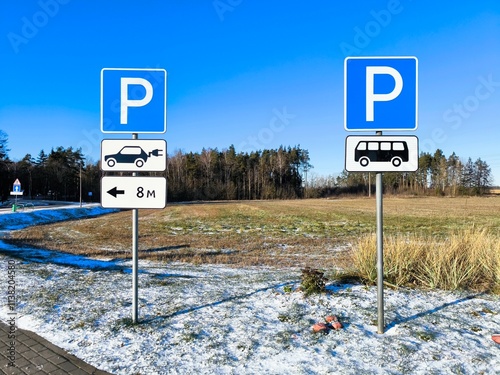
(65, 174)
(212, 174)
(437, 175)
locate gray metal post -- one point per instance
(135, 256)
(380, 252)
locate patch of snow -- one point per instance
(20, 220)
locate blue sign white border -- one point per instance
(132, 132)
(380, 58)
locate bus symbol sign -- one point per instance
(381, 154)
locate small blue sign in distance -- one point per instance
(381, 93)
(133, 100)
(16, 187)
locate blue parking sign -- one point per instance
(133, 100)
(380, 93)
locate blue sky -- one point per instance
(256, 74)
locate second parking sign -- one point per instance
(380, 93)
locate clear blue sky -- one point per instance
(256, 74)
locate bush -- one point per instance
(468, 259)
(313, 281)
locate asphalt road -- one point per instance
(26, 205)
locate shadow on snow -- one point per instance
(216, 303)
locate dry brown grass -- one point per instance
(298, 233)
(466, 259)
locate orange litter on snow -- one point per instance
(320, 327)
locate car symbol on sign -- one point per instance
(131, 155)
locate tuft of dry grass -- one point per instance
(466, 259)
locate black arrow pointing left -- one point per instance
(114, 192)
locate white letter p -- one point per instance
(371, 97)
(125, 102)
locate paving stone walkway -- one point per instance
(35, 355)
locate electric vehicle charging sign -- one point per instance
(381, 153)
(380, 93)
(133, 100)
(134, 155)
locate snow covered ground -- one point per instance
(218, 320)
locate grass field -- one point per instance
(292, 233)
(199, 318)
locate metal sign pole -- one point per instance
(380, 252)
(135, 256)
(133, 191)
(359, 99)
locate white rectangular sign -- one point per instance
(134, 155)
(133, 192)
(381, 154)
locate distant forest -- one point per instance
(212, 174)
